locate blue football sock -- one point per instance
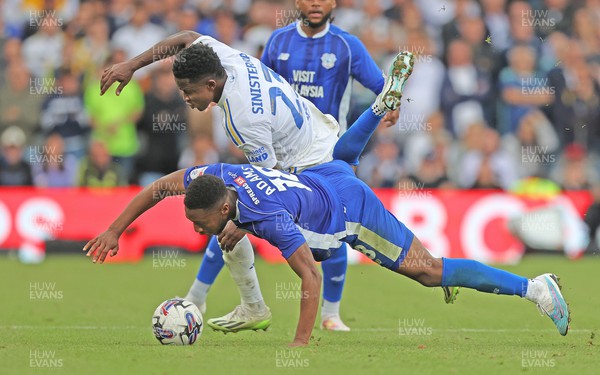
(212, 263)
(352, 143)
(475, 275)
(334, 274)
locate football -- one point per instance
(177, 322)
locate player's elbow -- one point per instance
(189, 36)
(312, 276)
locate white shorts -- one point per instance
(325, 136)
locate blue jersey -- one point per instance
(322, 206)
(320, 68)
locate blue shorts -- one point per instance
(370, 227)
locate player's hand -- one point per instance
(121, 72)
(230, 236)
(105, 243)
(390, 118)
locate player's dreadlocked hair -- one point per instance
(204, 192)
(196, 62)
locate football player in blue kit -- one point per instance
(319, 60)
(307, 216)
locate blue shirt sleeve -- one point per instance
(266, 58)
(363, 67)
(199, 170)
(281, 232)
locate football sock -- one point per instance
(352, 143)
(240, 262)
(334, 276)
(197, 293)
(475, 275)
(330, 309)
(212, 263)
(534, 289)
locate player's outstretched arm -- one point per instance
(123, 72)
(108, 241)
(303, 264)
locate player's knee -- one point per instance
(241, 252)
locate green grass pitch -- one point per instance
(69, 316)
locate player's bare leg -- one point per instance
(543, 290)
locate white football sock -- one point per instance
(330, 309)
(377, 109)
(534, 288)
(198, 292)
(240, 262)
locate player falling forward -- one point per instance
(306, 216)
(264, 117)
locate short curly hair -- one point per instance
(196, 62)
(204, 192)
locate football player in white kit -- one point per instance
(264, 117)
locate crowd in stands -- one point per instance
(504, 94)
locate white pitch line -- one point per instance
(468, 330)
(463, 330)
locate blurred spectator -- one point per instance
(163, 122)
(575, 170)
(522, 87)
(113, 118)
(592, 219)
(50, 166)
(138, 35)
(463, 9)
(576, 105)
(65, 114)
(497, 22)
(20, 101)
(523, 23)
(379, 34)
(421, 92)
(98, 169)
(585, 29)
(382, 167)
(465, 90)
(534, 146)
(473, 31)
(91, 51)
(200, 151)
(42, 51)
(348, 15)
(489, 166)
(14, 171)
(431, 173)
(555, 15)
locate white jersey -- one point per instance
(267, 119)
